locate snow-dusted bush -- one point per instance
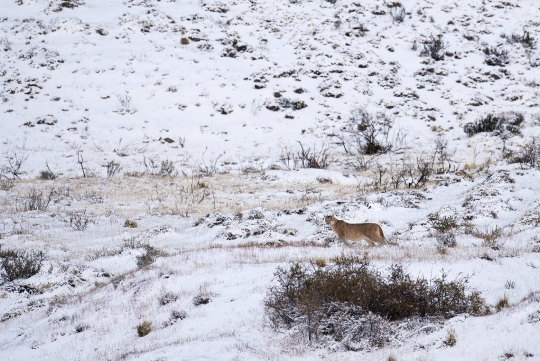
(306, 157)
(36, 201)
(167, 297)
(446, 240)
(528, 154)
(15, 264)
(496, 56)
(504, 124)
(368, 133)
(309, 296)
(524, 39)
(442, 224)
(148, 257)
(434, 48)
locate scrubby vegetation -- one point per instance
(311, 296)
(16, 264)
(502, 124)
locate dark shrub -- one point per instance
(144, 328)
(303, 295)
(496, 56)
(148, 257)
(525, 39)
(442, 224)
(502, 124)
(434, 48)
(15, 264)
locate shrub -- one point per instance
(496, 56)
(398, 14)
(159, 168)
(528, 154)
(306, 157)
(130, 224)
(47, 175)
(502, 124)
(309, 296)
(36, 201)
(113, 168)
(446, 239)
(79, 220)
(525, 39)
(6, 184)
(442, 224)
(489, 237)
(502, 303)
(144, 328)
(201, 300)
(178, 315)
(148, 257)
(450, 340)
(17, 264)
(369, 132)
(167, 297)
(434, 48)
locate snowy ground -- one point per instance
(90, 84)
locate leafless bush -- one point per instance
(17, 264)
(37, 201)
(524, 39)
(313, 158)
(14, 162)
(528, 154)
(187, 195)
(398, 14)
(82, 163)
(490, 237)
(159, 168)
(6, 43)
(434, 48)
(443, 161)
(202, 299)
(125, 101)
(113, 168)
(408, 173)
(79, 220)
(368, 133)
(208, 169)
(305, 157)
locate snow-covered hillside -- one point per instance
(162, 158)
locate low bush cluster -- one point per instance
(502, 124)
(309, 297)
(16, 264)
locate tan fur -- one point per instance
(371, 232)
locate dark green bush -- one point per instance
(15, 264)
(442, 224)
(308, 295)
(503, 124)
